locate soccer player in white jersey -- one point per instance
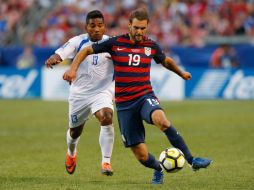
(92, 91)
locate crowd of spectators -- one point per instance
(11, 11)
(173, 22)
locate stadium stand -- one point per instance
(20, 18)
(184, 22)
(198, 26)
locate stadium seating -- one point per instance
(173, 22)
(192, 29)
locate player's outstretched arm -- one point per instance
(70, 74)
(170, 64)
(53, 60)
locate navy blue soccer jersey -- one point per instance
(132, 63)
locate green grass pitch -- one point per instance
(33, 148)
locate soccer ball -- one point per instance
(172, 159)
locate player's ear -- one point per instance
(129, 25)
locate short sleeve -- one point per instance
(68, 50)
(159, 56)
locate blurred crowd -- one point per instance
(11, 11)
(173, 22)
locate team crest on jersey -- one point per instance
(147, 51)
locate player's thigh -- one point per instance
(79, 111)
(131, 127)
(150, 105)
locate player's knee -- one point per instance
(163, 125)
(160, 120)
(106, 119)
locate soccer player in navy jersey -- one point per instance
(132, 54)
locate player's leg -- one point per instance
(152, 113)
(133, 135)
(102, 108)
(77, 117)
(160, 120)
(106, 138)
(72, 138)
(144, 157)
(148, 160)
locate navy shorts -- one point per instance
(131, 120)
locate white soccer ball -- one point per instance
(172, 159)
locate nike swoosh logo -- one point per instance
(119, 49)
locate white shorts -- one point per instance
(80, 109)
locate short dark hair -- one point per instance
(140, 14)
(94, 14)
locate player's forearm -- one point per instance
(53, 60)
(57, 57)
(80, 57)
(170, 64)
(78, 60)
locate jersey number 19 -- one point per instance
(134, 60)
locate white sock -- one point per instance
(106, 141)
(71, 144)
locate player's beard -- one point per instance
(138, 38)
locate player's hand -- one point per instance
(53, 60)
(186, 75)
(70, 75)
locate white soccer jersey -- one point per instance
(95, 73)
